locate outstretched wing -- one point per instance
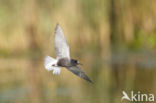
(61, 46)
(77, 71)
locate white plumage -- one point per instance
(50, 65)
(61, 45)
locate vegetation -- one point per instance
(114, 39)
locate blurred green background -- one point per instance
(114, 39)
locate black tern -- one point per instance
(63, 57)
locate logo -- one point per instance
(137, 97)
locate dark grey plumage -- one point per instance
(71, 65)
(77, 71)
(65, 62)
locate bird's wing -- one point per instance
(61, 46)
(48, 64)
(77, 71)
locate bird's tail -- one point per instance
(49, 63)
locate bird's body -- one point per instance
(63, 57)
(65, 62)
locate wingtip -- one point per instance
(57, 27)
(90, 81)
(57, 24)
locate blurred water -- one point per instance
(127, 71)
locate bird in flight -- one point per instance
(63, 57)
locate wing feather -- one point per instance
(61, 46)
(77, 71)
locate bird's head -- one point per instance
(75, 62)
